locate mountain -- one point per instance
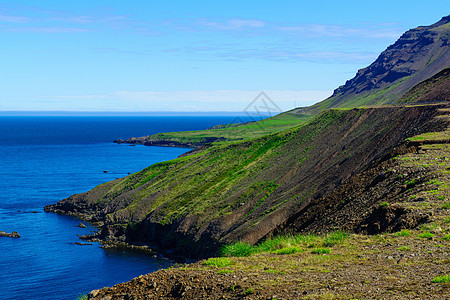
(416, 56)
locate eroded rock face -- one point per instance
(419, 53)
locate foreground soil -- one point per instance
(378, 267)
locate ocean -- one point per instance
(46, 159)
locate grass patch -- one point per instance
(238, 249)
(82, 297)
(446, 205)
(441, 279)
(446, 237)
(249, 292)
(288, 250)
(384, 204)
(426, 235)
(334, 238)
(404, 248)
(404, 232)
(218, 262)
(321, 251)
(285, 244)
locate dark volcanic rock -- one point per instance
(81, 225)
(417, 55)
(13, 234)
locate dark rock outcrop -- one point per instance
(416, 56)
(162, 142)
(13, 234)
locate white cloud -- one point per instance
(50, 29)
(233, 24)
(14, 19)
(331, 30)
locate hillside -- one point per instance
(416, 56)
(248, 190)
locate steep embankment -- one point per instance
(435, 88)
(247, 190)
(416, 56)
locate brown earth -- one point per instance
(362, 268)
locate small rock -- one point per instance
(402, 260)
(93, 293)
(81, 225)
(13, 234)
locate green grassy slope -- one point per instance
(226, 133)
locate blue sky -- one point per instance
(191, 55)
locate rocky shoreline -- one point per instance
(149, 141)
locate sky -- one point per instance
(185, 56)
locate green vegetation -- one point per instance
(288, 250)
(446, 205)
(287, 244)
(236, 132)
(373, 97)
(426, 235)
(404, 232)
(218, 262)
(404, 248)
(249, 291)
(384, 204)
(321, 251)
(441, 279)
(82, 297)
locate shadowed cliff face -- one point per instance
(417, 55)
(246, 190)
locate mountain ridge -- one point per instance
(417, 55)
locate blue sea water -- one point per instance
(46, 159)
